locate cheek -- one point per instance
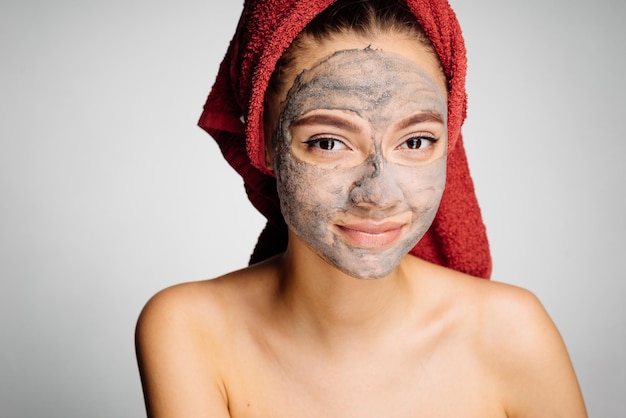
(305, 195)
(423, 186)
(309, 199)
(306, 187)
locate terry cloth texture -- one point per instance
(233, 116)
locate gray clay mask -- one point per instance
(360, 158)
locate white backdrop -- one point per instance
(109, 192)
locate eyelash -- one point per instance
(421, 139)
(317, 143)
(323, 143)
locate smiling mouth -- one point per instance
(368, 235)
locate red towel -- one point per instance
(457, 239)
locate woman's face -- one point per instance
(360, 151)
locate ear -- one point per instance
(267, 145)
(269, 158)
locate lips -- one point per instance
(371, 235)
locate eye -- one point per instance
(418, 142)
(326, 144)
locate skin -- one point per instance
(386, 174)
(295, 336)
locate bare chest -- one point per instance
(441, 381)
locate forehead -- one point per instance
(376, 84)
(366, 78)
(313, 51)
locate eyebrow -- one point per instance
(329, 120)
(420, 118)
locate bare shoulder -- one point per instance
(188, 305)
(206, 306)
(182, 339)
(521, 349)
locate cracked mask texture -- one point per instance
(379, 88)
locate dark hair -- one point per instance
(362, 17)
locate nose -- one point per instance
(377, 185)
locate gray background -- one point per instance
(109, 191)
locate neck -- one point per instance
(334, 305)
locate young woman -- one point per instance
(353, 113)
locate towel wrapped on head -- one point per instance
(233, 116)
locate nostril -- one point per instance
(366, 192)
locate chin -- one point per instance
(367, 266)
